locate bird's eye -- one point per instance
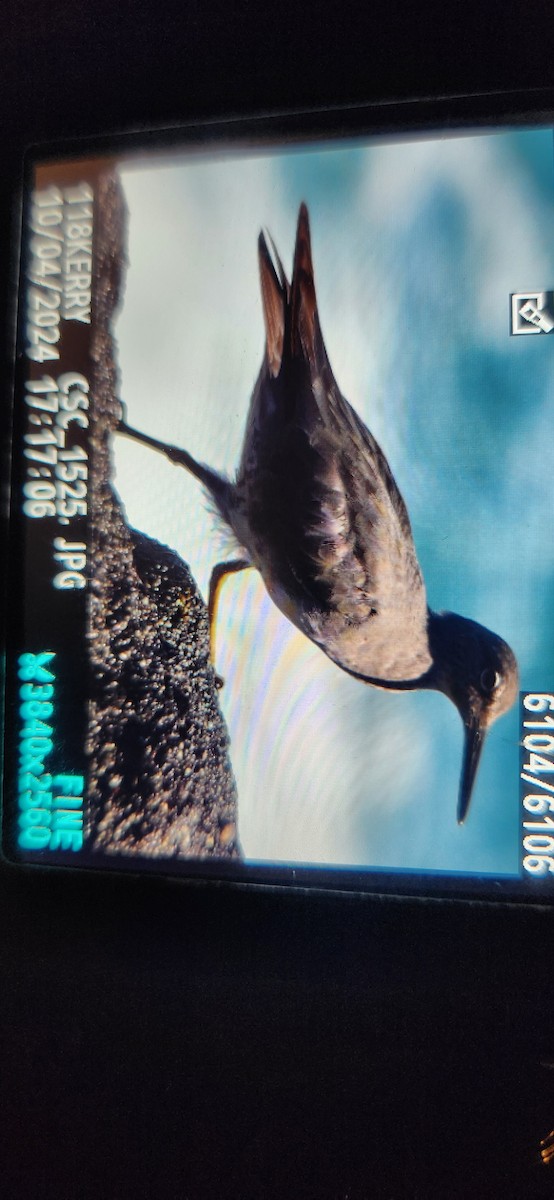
(489, 679)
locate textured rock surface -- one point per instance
(161, 780)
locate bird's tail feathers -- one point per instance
(275, 296)
(303, 297)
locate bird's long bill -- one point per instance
(473, 746)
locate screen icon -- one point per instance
(532, 312)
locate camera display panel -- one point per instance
(281, 584)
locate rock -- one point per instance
(161, 783)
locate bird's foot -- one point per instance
(122, 423)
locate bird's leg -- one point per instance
(182, 458)
(217, 578)
(218, 486)
(172, 452)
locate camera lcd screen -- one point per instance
(281, 581)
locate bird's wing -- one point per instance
(374, 528)
(330, 531)
(335, 531)
(367, 560)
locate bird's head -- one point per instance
(478, 671)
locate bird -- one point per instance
(315, 508)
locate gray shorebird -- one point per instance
(315, 508)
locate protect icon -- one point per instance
(532, 312)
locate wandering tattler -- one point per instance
(316, 510)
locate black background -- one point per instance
(160, 1040)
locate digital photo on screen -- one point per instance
(282, 495)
